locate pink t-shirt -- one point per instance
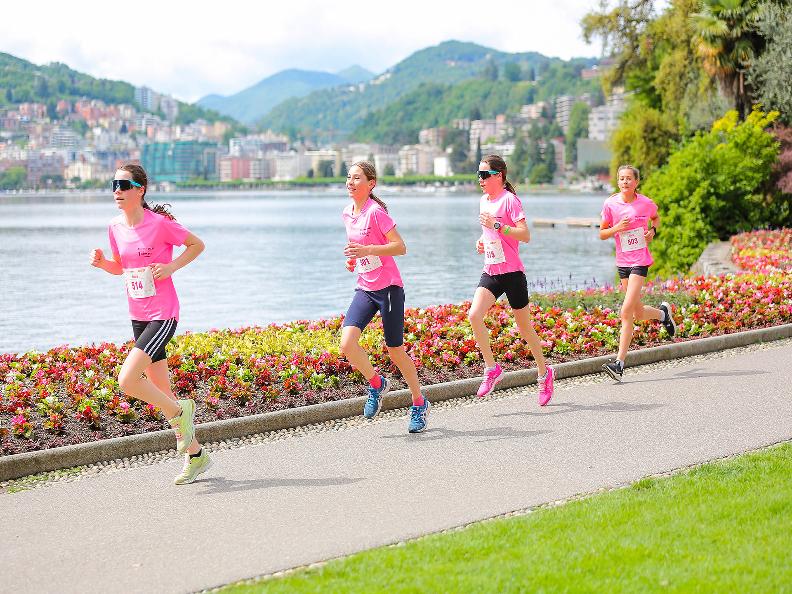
(149, 242)
(369, 228)
(501, 252)
(631, 247)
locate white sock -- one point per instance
(662, 315)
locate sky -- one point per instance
(191, 49)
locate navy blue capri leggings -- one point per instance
(389, 302)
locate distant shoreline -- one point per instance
(9, 195)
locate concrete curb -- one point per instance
(19, 465)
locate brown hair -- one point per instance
(139, 176)
(496, 163)
(634, 170)
(368, 169)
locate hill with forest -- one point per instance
(22, 82)
(334, 113)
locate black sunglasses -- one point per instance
(484, 174)
(124, 184)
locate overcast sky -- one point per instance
(191, 49)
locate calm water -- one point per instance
(270, 257)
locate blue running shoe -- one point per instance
(374, 400)
(418, 416)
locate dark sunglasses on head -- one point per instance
(124, 184)
(484, 174)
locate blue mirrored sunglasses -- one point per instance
(124, 184)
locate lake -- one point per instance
(270, 257)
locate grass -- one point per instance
(720, 527)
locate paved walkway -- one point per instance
(316, 496)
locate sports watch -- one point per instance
(496, 225)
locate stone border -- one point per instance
(715, 260)
(18, 465)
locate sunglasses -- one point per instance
(124, 184)
(485, 174)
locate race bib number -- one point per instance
(140, 282)
(632, 240)
(493, 252)
(368, 263)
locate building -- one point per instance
(603, 120)
(147, 99)
(592, 153)
(534, 111)
(432, 136)
(180, 160)
(563, 105)
(484, 131)
(42, 166)
(169, 107)
(416, 159)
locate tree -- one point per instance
(540, 174)
(490, 71)
(13, 178)
(578, 128)
(769, 74)
(622, 32)
(644, 139)
(518, 162)
(389, 170)
(343, 172)
(549, 158)
(717, 184)
(728, 40)
(512, 71)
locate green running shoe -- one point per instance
(193, 467)
(184, 425)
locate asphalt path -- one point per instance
(315, 496)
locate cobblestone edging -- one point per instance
(715, 260)
(148, 448)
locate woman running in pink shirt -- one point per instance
(372, 242)
(503, 228)
(141, 241)
(625, 217)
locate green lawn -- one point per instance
(722, 527)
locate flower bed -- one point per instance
(763, 251)
(70, 395)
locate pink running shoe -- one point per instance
(546, 389)
(491, 378)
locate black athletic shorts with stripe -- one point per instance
(151, 337)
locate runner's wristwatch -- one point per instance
(496, 225)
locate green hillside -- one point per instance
(22, 81)
(432, 104)
(334, 113)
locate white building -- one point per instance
(603, 120)
(417, 159)
(147, 99)
(564, 105)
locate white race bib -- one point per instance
(140, 282)
(493, 252)
(632, 240)
(368, 263)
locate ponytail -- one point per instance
(160, 209)
(378, 201)
(508, 186)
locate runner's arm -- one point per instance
(194, 247)
(394, 247)
(112, 266)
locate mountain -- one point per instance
(254, 102)
(22, 81)
(334, 112)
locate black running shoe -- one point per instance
(614, 369)
(668, 321)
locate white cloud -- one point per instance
(192, 49)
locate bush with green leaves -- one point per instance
(715, 185)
